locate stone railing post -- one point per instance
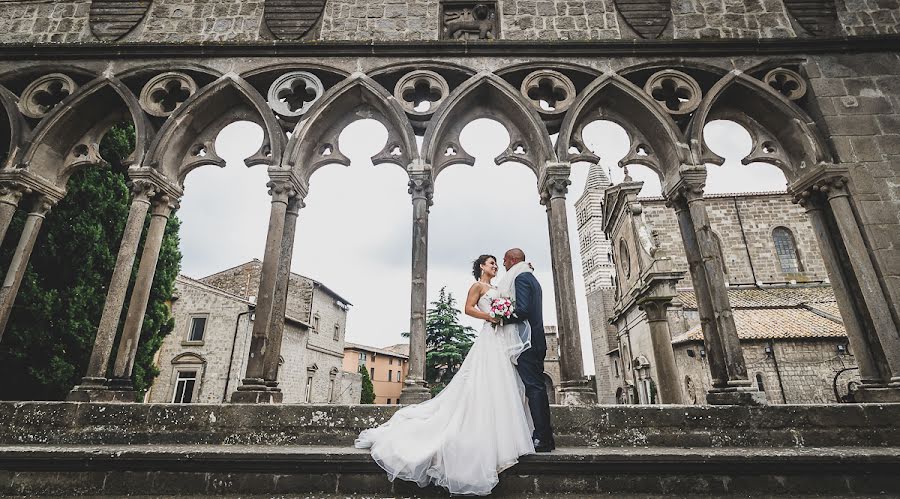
(421, 187)
(40, 206)
(93, 384)
(253, 388)
(161, 208)
(574, 386)
(661, 341)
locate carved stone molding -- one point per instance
(165, 92)
(421, 92)
(45, 93)
(786, 82)
(11, 193)
(292, 19)
(113, 19)
(549, 92)
(676, 92)
(292, 94)
(144, 190)
(648, 18)
(469, 20)
(555, 182)
(422, 187)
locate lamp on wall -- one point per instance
(841, 349)
(768, 350)
(702, 353)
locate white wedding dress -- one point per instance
(475, 428)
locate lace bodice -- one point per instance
(484, 303)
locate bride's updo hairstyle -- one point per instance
(476, 265)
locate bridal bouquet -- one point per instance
(501, 308)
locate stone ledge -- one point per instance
(294, 469)
(53, 423)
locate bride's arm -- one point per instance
(472, 298)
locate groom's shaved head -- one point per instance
(512, 257)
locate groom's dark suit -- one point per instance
(528, 307)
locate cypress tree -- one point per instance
(51, 331)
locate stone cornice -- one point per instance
(433, 48)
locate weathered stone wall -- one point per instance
(603, 339)
(807, 369)
(176, 21)
(857, 103)
(746, 238)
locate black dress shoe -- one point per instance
(543, 448)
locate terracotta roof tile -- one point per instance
(775, 323)
(770, 297)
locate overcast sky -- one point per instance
(354, 233)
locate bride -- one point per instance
(479, 424)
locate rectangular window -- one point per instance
(337, 332)
(316, 323)
(372, 373)
(390, 361)
(198, 327)
(331, 392)
(184, 387)
(362, 357)
(389, 401)
(308, 389)
(390, 376)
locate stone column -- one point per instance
(711, 340)
(10, 195)
(421, 188)
(39, 209)
(279, 300)
(668, 377)
(856, 334)
(253, 387)
(738, 389)
(873, 296)
(93, 384)
(574, 386)
(162, 207)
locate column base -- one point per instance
(414, 392)
(736, 397)
(97, 390)
(882, 394)
(576, 392)
(255, 391)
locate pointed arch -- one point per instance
(655, 139)
(69, 138)
(314, 143)
(187, 139)
(486, 95)
(781, 132)
(13, 129)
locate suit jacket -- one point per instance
(529, 307)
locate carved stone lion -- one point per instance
(478, 21)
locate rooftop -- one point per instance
(380, 351)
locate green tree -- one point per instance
(51, 331)
(368, 389)
(447, 342)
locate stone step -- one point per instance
(288, 469)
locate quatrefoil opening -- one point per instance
(421, 92)
(45, 93)
(166, 92)
(676, 92)
(549, 92)
(293, 94)
(786, 82)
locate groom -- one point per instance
(528, 307)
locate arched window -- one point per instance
(786, 249)
(625, 258)
(759, 382)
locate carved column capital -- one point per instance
(143, 190)
(281, 190)
(163, 204)
(421, 187)
(41, 206)
(555, 182)
(832, 186)
(11, 192)
(684, 193)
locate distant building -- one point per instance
(794, 343)
(551, 363)
(205, 357)
(387, 367)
